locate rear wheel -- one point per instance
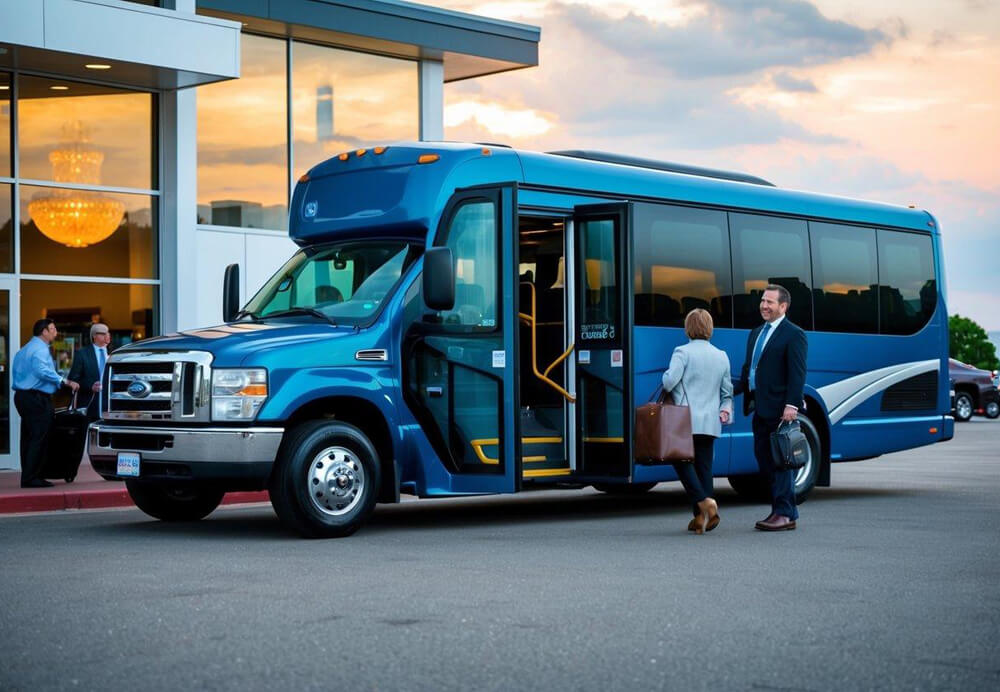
(992, 409)
(963, 407)
(326, 480)
(624, 488)
(174, 501)
(752, 486)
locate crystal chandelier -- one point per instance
(76, 218)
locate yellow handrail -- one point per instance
(531, 319)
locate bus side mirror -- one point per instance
(439, 279)
(231, 293)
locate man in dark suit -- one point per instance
(773, 377)
(88, 368)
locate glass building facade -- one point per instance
(129, 181)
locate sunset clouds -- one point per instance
(894, 101)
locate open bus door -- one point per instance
(603, 359)
(462, 363)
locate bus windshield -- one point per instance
(344, 283)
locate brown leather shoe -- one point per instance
(770, 517)
(693, 524)
(777, 523)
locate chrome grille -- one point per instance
(157, 385)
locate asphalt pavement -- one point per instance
(890, 582)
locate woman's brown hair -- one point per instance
(698, 324)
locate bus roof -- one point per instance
(386, 190)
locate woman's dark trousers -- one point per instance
(697, 477)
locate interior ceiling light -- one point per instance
(59, 87)
(76, 218)
(97, 66)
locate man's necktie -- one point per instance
(757, 349)
(100, 362)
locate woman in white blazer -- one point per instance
(698, 377)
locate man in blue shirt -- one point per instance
(35, 381)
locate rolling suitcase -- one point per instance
(66, 438)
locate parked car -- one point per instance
(975, 391)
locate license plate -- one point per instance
(128, 464)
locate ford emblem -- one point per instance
(139, 389)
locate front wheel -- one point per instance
(752, 486)
(326, 480)
(992, 409)
(174, 501)
(963, 407)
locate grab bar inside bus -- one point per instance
(544, 377)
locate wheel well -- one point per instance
(823, 428)
(365, 416)
(969, 389)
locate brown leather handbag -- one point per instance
(663, 431)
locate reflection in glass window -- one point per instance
(71, 132)
(599, 289)
(845, 275)
(681, 263)
(88, 233)
(769, 249)
(908, 290)
(5, 164)
(129, 310)
(6, 229)
(243, 141)
(344, 100)
(472, 238)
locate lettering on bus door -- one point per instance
(461, 364)
(603, 365)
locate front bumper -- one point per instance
(241, 457)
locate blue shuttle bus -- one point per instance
(466, 319)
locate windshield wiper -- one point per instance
(303, 311)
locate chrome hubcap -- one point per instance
(992, 409)
(964, 407)
(336, 481)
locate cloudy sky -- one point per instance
(896, 101)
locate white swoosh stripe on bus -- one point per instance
(843, 397)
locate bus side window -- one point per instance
(472, 237)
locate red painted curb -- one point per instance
(49, 501)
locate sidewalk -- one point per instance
(88, 491)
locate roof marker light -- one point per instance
(428, 158)
(304, 178)
(379, 150)
(361, 152)
(487, 152)
(343, 157)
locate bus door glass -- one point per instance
(602, 345)
(461, 364)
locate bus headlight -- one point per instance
(237, 394)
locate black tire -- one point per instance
(627, 489)
(174, 501)
(992, 409)
(963, 407)
(326, 479)
(753, 487)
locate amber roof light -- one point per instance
(428, 158)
